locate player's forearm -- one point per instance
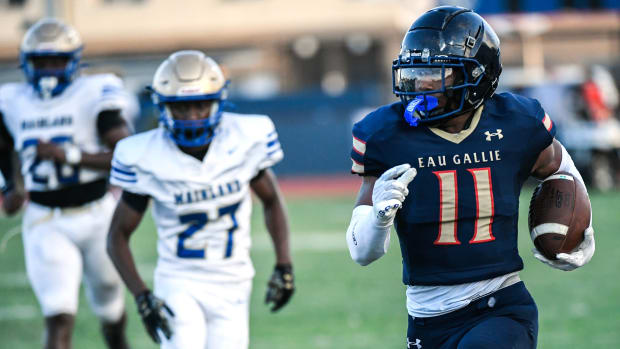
(567, 165)
(277, 225)
(120, 254)
(99, 161)
(366, 238)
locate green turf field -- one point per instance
(339, 304)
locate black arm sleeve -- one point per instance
(136, 201)
(109, 119)
(6, 156)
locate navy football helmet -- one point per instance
(449, 63)
(189, 76)
(50, 39)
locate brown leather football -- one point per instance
(559, 214)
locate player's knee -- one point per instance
(108, 302)
(114, 327)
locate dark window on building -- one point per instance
(16, 3)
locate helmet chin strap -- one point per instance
(47, 84)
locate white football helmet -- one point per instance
(50, 37)
(189, 76)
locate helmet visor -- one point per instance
(191, 123)
(424, 79)
(442, 83)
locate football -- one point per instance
(559, 214)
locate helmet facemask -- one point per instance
(50, 55)
(436, 88)
(50, 73)
(192, 120)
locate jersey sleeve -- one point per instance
(125, 172)
(112, 95)
(543, 130)
(268, 142)
(365, 154)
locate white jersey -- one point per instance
(201, 208)
(70, 117)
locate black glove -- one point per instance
(151, 310)
(280, 287)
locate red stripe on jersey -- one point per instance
(359, 140)
(547, 122)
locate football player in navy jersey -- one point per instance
(445, 166)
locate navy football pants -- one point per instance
(507, 318)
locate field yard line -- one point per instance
(323, 241)
(19, 312)
(17, 279)
(14, 231)
(307, 241)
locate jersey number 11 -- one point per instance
(448, 206)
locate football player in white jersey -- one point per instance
(198, 168)
(64, 128)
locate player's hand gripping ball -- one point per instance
(559, 223)
(390, 191)
(280, 287)
(151, 310)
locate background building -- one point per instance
(314, 66)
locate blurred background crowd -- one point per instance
(318, 66)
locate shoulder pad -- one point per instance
(382, 118)
(131, 150)
(9, 90)
(127, 164)
(373, 126)
(261, 132)
(254, 127)
(513, 104)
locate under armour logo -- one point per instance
(417, 343)
(498, 134)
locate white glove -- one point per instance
(579, 257)
(390, 191)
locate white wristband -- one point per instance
(73, 154)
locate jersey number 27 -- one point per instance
(197, 221)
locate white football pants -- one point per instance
(60, 245)
(207, 315)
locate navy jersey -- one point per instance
(459, 224)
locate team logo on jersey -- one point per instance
(491, 134)
(45, 122)
(417, 344)
(208, 193)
